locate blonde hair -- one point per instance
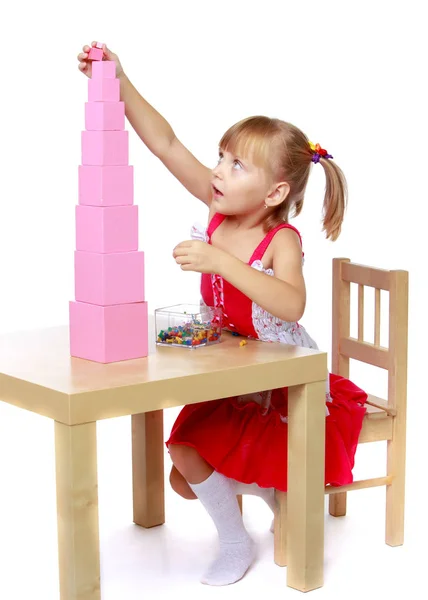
(284, 152)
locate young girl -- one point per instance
(251, 261)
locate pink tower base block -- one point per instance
(108, 334)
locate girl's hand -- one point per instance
(85, 65)
(198, 256)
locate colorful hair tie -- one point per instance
(318, 153)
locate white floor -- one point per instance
(138, 563)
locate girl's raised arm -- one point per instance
(156, 133)
(195, 176)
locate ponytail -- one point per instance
(335, 199)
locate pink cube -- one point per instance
(105, 148)
(105, 69)
(111, 229)
(105, 116)
(103, 90)
(106, 279)
(106, 186)
(95, 54)
(108, 334)
(99, 45)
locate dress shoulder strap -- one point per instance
(261, 248)
(217, 219)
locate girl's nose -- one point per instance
(217, 170)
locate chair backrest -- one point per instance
(344, 347)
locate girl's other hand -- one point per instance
(193, 255)
(85, 65)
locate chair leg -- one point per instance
(280, 532)
(239, 498)
(337, 504)
(394, 534)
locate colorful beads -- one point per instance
(193, 333)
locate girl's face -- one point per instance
(243, 186)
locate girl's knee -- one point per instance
(175, 450)
(189, 463)
(180, 454)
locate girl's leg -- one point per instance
(180, 485)
(189, 463)
(218, 496)
(252, 489)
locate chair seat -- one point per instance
(377, 424)
(373, 412)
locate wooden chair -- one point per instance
(384, 419)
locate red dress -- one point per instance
(245, 437)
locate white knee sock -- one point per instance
(252, 489)
(218, 496)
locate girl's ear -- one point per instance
(278, 195)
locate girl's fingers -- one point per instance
(82, 55)
(86, 48)
(183, 260)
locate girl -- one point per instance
(250, 259)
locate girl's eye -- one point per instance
(236, 161)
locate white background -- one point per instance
(351, 75)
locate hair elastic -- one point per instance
(318, 153)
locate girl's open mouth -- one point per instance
(217, 192)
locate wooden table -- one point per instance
(38, 374)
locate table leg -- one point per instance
(77, 511)
(148, 469)
(280, 529)
(305, 501)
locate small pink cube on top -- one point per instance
(95, 54)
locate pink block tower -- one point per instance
(108, 318)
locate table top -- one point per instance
(37, 373)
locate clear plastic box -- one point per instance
(188, 326)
